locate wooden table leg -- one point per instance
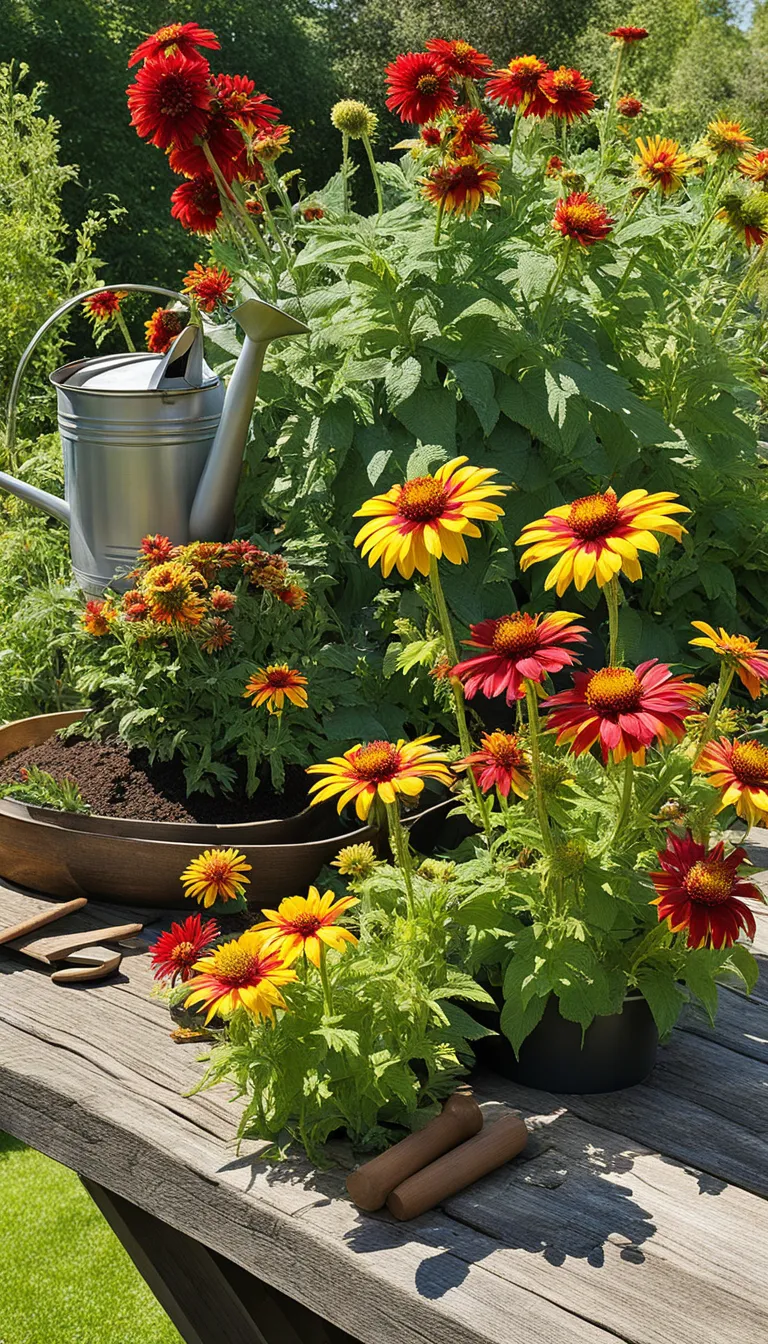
(209, 1299)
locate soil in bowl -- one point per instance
(119, 782)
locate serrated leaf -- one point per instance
(477, 387)
(401, 381)
(664, 998)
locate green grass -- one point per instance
(64, 1277)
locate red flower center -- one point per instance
(176, 96)
(594, 516)
(377, 762)
(306, 925)
(236, 966)
(279, 677)
(614, 690)
(422, 499)
(428, 84)
(750, 763)
(504, 749)
(709, 882)
(515, 636)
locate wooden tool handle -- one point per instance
(95, 965)
(39, 921)
(370, 1184)
(497, 1143)
(56, 949)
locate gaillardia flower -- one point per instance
(583, 220)
(162, 328)
(303, 924)
(740, 771)
(460, 185)
(268, 145)
(500, 763)
(273, 685)
(97, 617)
(661, 163)
(516, 649)
(519, 85)
(626, 34)
(171, 99)
(755, 167)
(240, 974)
(750, 662)
(156, 550)
(568, 93)
(626, 711)
(170, 592)
(183, 38)
(599, 535)
(210, 285)
(699, 890)
(104, 305)
(216, 875)
(629, 106)
(356, 861)
(197, 205)
(458, 59)
(418, 90)
(217, 634)
(726, 137)
(176, 951)
(354, 119)
(380, 769)
(746, 213)
(428, 516)
(237, 98)
(471, 130)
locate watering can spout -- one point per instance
(41, 499)
(214, 502)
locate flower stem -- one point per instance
(515, 132)
(326, 982)
(554, 283)
(374, 173)
(345, 169)
(276, 182)
(748, 275)
(626, 801)
(723, 687)
(534, 735)
(648, 944)
(610, 110)
(125, 332)
(439, 221)
(612, 602)
(402, 854)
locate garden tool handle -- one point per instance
(56, 949)
(370, 1184)
(497, 1143)
(10, 433)
(94, 964)
(39, 921)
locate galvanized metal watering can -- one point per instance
(151, 443)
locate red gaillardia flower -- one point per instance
(418, 91)
(169, 591)
(627, 34)
(294, 596)
(197, 205)
(583, 220)
(217, 635)
(240, 974)
(237, 98)
(727, 137)
(134, 607)
(305, 924)
(171, 99)
(273, 685)
(156, 550)
(699, 890)
(554, 166)
(431, 136)
(224, 142)
(599, 535)
(460, 185)
(628, 106)
(268, 145)
(175, 952)
(626, 711)
(216, 875)
(380, 769)
(312, 212)
(104, 305)
(755, 166)
(471, 131)
(428, 516)
(174, 38)
(568, 93)
(459, 59)
(661, 163)
(519, 85)
(222, 599)
(515, 649)
(210, 285)
(97, 617)
(740, 771)
(500, 763)
(750, 662)
(162, 328)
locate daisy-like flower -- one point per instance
(301, 925)
(701, 890)
(210, 285)
(583, 220)
(237, 98)
(750, 662)
(746, 213)
(224, 142)
(460, 185)
(471, 130)
(417, 89)
(268, 145)
(97, 617)
(459, 59)
(519, 85)
(599, 535)
(554, 166)
(176, 951)
(354, 119)
(170, 101)
(162, 328)
(183, 38)
(380, 769)
(501, 763)
(740, 771)
(240, 974)
(661, 163)
(222, 599)
(294, 596)
(755, 167)
(156, 550)
(197, 205)
(216, 875)
(726, 137)
(428, 515)
(171, 596)
(516, 649)
(104, 305)
(356, 861)
(626, 711)
(217, 635)
(568, 93)
(273, 685)
(629, 106)
(626, 34)
(431, 136)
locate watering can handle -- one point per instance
(60, 311)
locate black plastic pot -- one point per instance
(618, 1051)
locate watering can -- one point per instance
(151, 443)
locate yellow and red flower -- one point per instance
(471, 130)
(156, 550)
(460, 186)
(554, 166)
(746, 213)
(162, 328)
(133, 606)
(661, 163)
(599, 535)
(216, 875)
(701, 890)
(428, 516)
(568, 93)
(626, 711)
(294, 596)
(304, 925)
(104, 305)
(418, 90)
(740, 771)
(170, 593)
(273, 685)
(268, 145)
(725, 137)
(176, 951)
(755, 166)
(380, 769)
(170, 100)
(210, 285)
(240, 974)
(516, 649)
(197, 205)
(222, 599)
(581, 219)
(500, 763)
(237, 98)
(97, 617)
(628, 106)
(626, 34)
(173, 39)
(458, 59)
(519, 85)
(217, 635)
(750, 662)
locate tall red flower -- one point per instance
(224, 142)
(568, 93)
(627, 34)
(210, 285)
(458, 58)
(418, 91)
(699, 890)
(626, 711)
(156, 550)
(162, 329)
(515, 649)
(237, 97)
(583, 220)
(197, 205)
(183, 38)
(471, 131)
(170, 100)
(628, 106)
(104, 305)
(519, 85)
(500, 763)
(460, 185)
(176, 951)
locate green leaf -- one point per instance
(464, 1027)
(401, 381)
(699, 970)
(663, 995)
(477, 387)
(518, 1021)
(430, 415)
(744, 963)
(341, 1039)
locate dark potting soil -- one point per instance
(117, 782)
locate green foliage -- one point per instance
(41, 789)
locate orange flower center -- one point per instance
(711, 883)
(236, 966)
(218, 872)
(738, 644)
(614, 690)
(428, 84)
(422, 499)
(504, 749)
(169, 33)
(306, 925)
(582, 217)
(750, 763)
(377, 762)
(182, 952)
(515, 636)
(594, 515)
